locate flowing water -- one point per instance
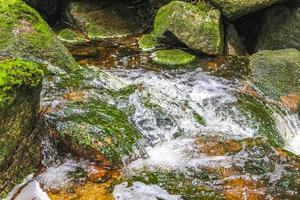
(201, 136)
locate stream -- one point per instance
(202, 137)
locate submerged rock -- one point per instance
(236, 8)
(198, 28)
(276, 73)
(102, 20)
(172, 57)
(69, 36)
(20, 87)
(23, 33)
(280, 29)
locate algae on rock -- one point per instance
(172, 57)
(20, 87)
(200, 29)
(23, 33)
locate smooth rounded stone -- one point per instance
(200, 29)
(25, 34)
(20, 87)
(234, 9)
(233, 44)
(70, 36)
(276, 73)
(280, 29)
(101, 20)
(172, 57)
(147, 42)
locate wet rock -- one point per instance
(69, 36)
(101, 20)
(236, 8)
(20, 87)
(94, 130)
(200, 29)
(172, 57)
(280, 29)
(147, 42)
(276, 73)
(32, 191)
(25, 34)
(233, 45)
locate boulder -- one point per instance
(23, 33)
(280, 29)
(233, 43)
(234, 9)
(101, 20)
(20, 87)
(276, 73)
(200, 29)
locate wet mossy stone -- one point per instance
(20, 87)
(94, 130)
(70, 36)
(280, 29)
(101, 20)
(200, 29)
(23, 33)
(172, 57)
(276, 73)
(234, 9)
(147, 42)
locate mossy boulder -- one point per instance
(94, 130)
(234, 9)
(70, 36)
(100, 19)
(280, 29)
(172, 57)
(23, 33)
(200, 29)
(20, 87)
(276, 73)
(147, 42)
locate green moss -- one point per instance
(23, 33)
(177, 183)
(69, 36)
(147, 42)
(96, 126)
(15, 74)
(260, 113)
(199, 119)
(172, 57)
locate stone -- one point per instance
(172, 57)
(234, 9)
(199, 29)
(233, 44)
(276, 73)
(101, 21)
(72, 37)
(147, 42)
(280, 29)
(23, 33)
(20, 87)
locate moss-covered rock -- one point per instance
(280, 29)
(20, 86)
(200, 29)
(236, 8)
(70, 36)
(147, 42)
(23, 33)
(172, 57)
(276, 73)
(101, 20)
(94, 129)
(233, 44)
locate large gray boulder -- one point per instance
(199, 27)
(280, 29)
(234, 9)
